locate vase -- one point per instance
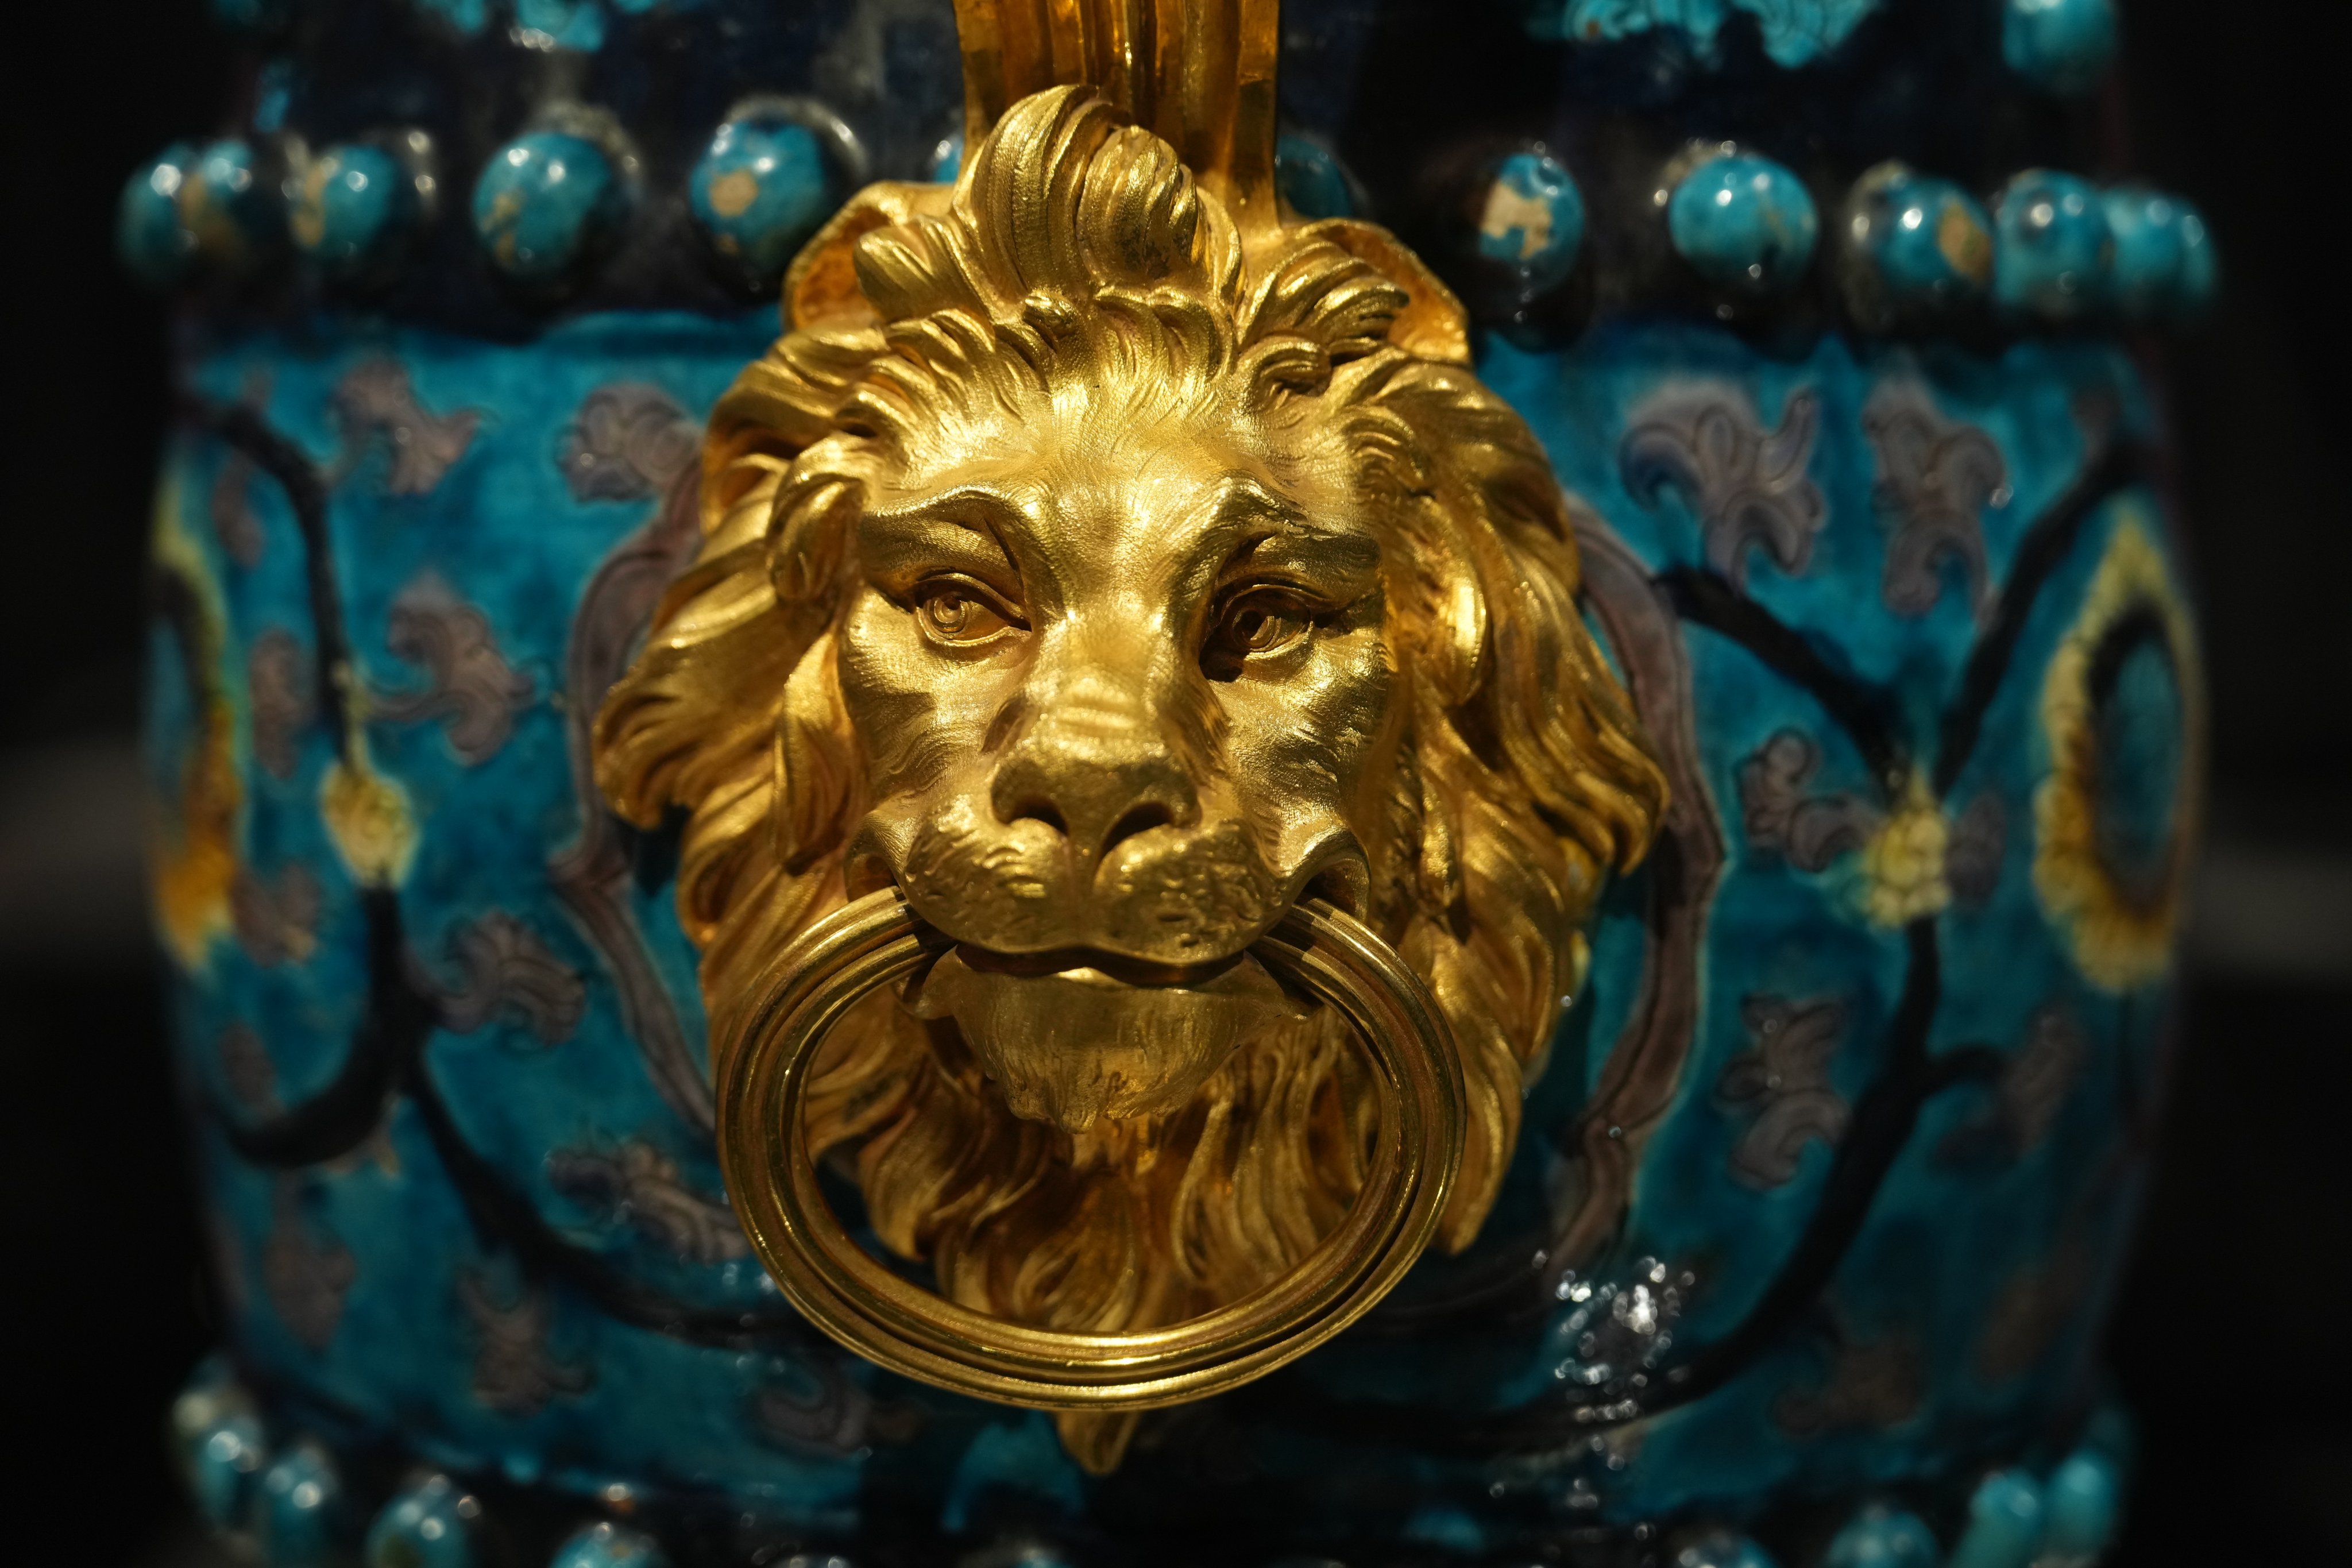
(1795, 1211)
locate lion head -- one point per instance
(1109, 584)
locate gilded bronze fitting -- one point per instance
(1111, 570)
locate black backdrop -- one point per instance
(2233, 1336)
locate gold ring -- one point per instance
(763, 1074)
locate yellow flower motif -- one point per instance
(193, 850)
(2121, 927)
(1903, 864)
(368, 816)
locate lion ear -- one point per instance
(1432, 324)
(821, 288)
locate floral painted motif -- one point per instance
(638, 1185)
(375, 401)
(513, 1372)
(2122, 710)
(1746, 485)
(471, 688)
(278, 690)
(1786, 1080)
(507, 972)
(1934, 481)
(306, 1271)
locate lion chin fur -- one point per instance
(1525, 780)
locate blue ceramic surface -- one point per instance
(219, 1447)
(2080, 1507)
(2163, 256)
(231, 206)
(355, 210)
(1532, 220)
(2053, 251)
(1743, 223)
(1311, 180)
(148, 234)
(428, 1524)
(1888, 579)
(2060, 46)
(1915, 245)
(1794, 32)
(1724, 1550)
(299, 1510)
(544, 204)
(2004, 1525)
(1882, 1537)
(609, 1546)
(758, 191)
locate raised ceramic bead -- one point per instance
(1722, 1549)
(1533, 220)
(1311, 179)
(759, 189)
(545, 204)
(356, 208)
(299, 1512)
(2051, 250)
(428, 1525)
(609, 1546)
(148, 234)
(2163, 255)
(236, 214)
(2079, 1508)
(2004, 1528)
(1882, 1537)
(1912, 243)
(2062, 46)
(1743, 223)
(218, 1442)
(946, 160)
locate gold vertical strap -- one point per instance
(1198, 73)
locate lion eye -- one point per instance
(1252, 624)
(956, 612)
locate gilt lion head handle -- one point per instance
(1144, 773)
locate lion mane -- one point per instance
(1074, 240)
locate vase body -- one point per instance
(1845, 1130)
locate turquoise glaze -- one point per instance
(356, 209)
(429, 1524)
(1532, 220)
(235, 213)
(1821, 1187)
(609, 1546)
(1914, 245)
(2080, 1507)
(299, 1510)
(1743, 223)
(1724, 1550)
(1882, 1537)
(545, 204)
(758, 191)
(219, 1447)
(2060, 46)
(525, 471)
(946, 160)
(2163, 258)
(1311, 179)
(2053, 251)
(149, 237)
(2004, 1527)
(1795, 32)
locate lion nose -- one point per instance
(1097, 776)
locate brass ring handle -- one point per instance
(764, 1065)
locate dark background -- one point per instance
(2233, 1336)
